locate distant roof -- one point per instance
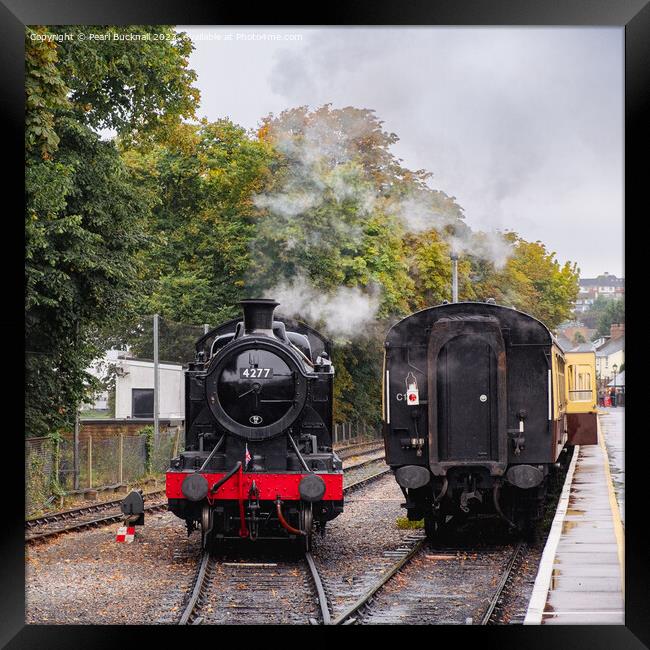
(569, 346)
(564, 343)
(584, 347)
(603, 281)
(613, 345)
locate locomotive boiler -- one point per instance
(479, 405)
(258, 459)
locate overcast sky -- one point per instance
(523, 126)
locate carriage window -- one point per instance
(580, 383)
(560, 383)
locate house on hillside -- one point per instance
(604, 285)
(610, 354)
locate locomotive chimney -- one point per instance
(258, 315)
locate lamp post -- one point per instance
(614, 368)
(454, 276)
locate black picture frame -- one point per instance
(631, 15)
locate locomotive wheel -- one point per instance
(306, 520)
(206, 526)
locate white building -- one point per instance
(610, 354)
(99, 369)
(134, 390)
(134, 382)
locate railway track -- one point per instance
(269, 587)
(270, 577)
(404, 555)
(85, 517)
(73, 513)
(359, 449)
(84, 524)
(467, 587)
(491, 614)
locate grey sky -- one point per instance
(523, 126)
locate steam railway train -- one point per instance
(258, 459)
(479, 406)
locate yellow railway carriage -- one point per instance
(581, 398)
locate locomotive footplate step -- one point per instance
(580, 578)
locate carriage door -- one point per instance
(467, 397)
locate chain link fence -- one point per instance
(39, 471)
(350, 433)
(109, 461)
(103, 462)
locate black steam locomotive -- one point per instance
(258, 459)
(479, 403)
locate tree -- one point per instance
(613, 312)
(578, 338)
(531, 280)
(83, 228)
(204, 177)
(134, 79)
(85, 214)
(335, 214)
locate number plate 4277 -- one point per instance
(256, 373)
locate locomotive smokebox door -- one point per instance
(132, 507)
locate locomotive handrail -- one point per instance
(302, 460)
(225, 478)
(212, 453)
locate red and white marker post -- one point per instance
(125, 534)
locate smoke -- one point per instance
(419, 214)
(490, 246)
(435, 210)
(321, 201)
(345, 312)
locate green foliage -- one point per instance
(45, 93)
(403, 523)
(613, 312)
(201, 227)
(83, 228)
(148, 433)
(579, 338)
(603, 313)
(85, 212)
(531, 280)
(139, 88)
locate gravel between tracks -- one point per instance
(351, 555)
(88, 578)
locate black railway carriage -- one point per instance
(258, 459)
(474, 407)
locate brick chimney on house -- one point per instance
(617, 330)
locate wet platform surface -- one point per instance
(612, 426)
(585, 566)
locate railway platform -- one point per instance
(581, 575)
